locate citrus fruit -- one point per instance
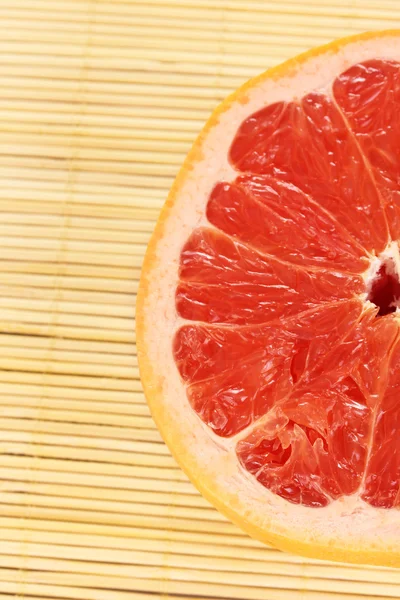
(267, 315)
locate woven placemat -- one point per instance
(99, 103)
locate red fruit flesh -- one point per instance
(283, 350)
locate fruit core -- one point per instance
(384, 289)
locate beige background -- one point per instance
(99, 103)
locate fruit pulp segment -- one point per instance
(280, 348)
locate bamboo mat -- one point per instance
(99, 102)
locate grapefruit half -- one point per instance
(268, 310)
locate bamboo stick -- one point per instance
(70, 350)
(49, 365)
(46, 25)
(189, 11)
(46, 380)
(18, 76)
(109, 35)
(82, 186)
(15, 133)
(137, 406)
(84, 190)
(60, 253)
(12, 111)
(244, 30)
(21, 280)
(41, 348)
(120, 173)
(120, 520)
(43, 388)
(20, 407)
(71, 67)
(91, 432)
(89, 454)
(37, 234)
(67, 256)
(194, 63)
(41, 591)
(78, 308)
(59, 467)
(36, 285)
(79, 497)
(62, 244)
(60, 409)
(73, 12)
(70, 298)
(94, 506)
(103, 350)
(259, 11)
(121, 536)
(144, 440)
(94, 385)
(37, 192)
(73, 55)
(64, 319)
(74, 308)
(84, 193)
(77, 381)
(67, 332)
(257, 5)
(72, 44)
(65, 109)
(89, 156)
(114, 82)
(55, 323)
(15, 411)
(189, 99)
(100, 443)
(63, 270)
(68, 209)
(117, 134)
(19, 590)
(78, 224)
(142, 516)
(25, 167)
(157, 504)
(16, 64)
(16, 20)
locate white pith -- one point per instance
(345, 522)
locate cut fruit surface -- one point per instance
(268, 321)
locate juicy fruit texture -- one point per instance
(281, 349)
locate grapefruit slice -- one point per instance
(268, 326)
